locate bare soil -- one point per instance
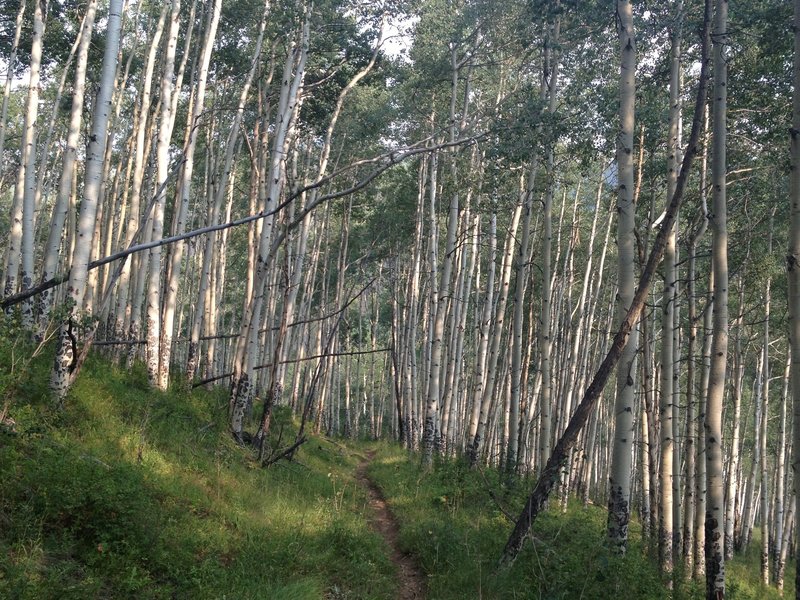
(411, 581)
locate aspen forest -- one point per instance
(444, 299)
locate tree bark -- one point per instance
(793, 265)
(715, 494)
(66, 350)
(61, 206)
(620, 476)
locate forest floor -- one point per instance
(411, 581)
(132, 493)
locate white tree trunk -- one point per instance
(153, 347)
(128, 301)
(20, 261)
(57, 233)
(185, 187)
(620, 475)
(715, 499)
(66, 349)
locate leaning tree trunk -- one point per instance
(550, 474)
(66, 351)
(715, 491)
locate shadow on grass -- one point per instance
(139, 494)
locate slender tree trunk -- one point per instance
(621, 462)
(700, 462)
(484, 331)
(715, 507)
(154, 329)
(765, 530)
(780, 476)
(66, 351)
(185, 187)
(550, 81)
(667, 472)
(20, 255)
(59, 217)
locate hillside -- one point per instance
(133, 493)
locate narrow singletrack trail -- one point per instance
(411, 581)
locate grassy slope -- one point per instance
(449, 521)
(133, 493)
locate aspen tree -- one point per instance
(667, 473)
(46, 147)
(185, 187)
(698, 568)
(780, 480)
(620, 475)
(431, 426)
(483, 328)
(20, 251)
(793, 265)
(54, 239)
(66, 348)
(715, 501)
(785, 545)
(127, 298)
(521, 274)
(166, 121)
(549, 83)
(765, 529)
(690, 491)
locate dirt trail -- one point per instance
(411, 580)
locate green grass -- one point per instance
(450, 523)
(130, 493)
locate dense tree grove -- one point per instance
(444, 222)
